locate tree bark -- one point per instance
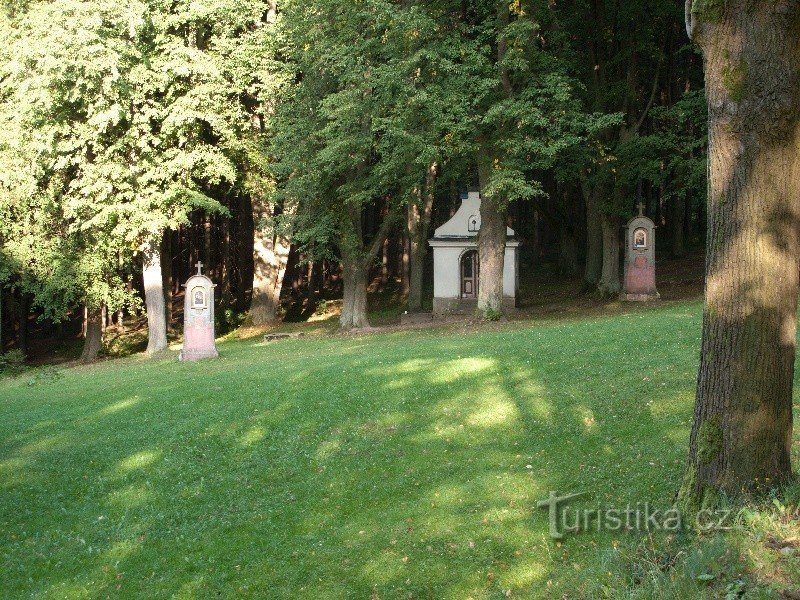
(419, 220)
(491, 245)
(609, 284)
(354, 301)
(405, 264)
(492, 234)
(94, 334)
(594, 239)
(741, 432)
(154, 298)
(356, 261)
(385, 262)
(270, 257)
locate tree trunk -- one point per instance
(419, 220)
(207, 249)
(609, 284)
(678, 216)
(417, 270)
(567, 251)
(742, 427)
(354, 302)
(405, 264)
(385, 263)
(688, 223)
(225, 260)
(23, 311)
(594, 239)
(356, 261)
(154, 298)
(491, 246)
(94, 335)
(270, 256)
(311, 290)
(167, 274)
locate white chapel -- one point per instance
(456, 270)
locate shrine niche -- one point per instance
(198, 318)
(640, 259)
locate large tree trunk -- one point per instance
(492, 234)
(491, 246)
(354, 302)
(416, 258)
(609, 284)
(154, 298)
(419, 219)
(270, 256)
(741, 433)
(94, 334)
(594, 239)
(356, 261)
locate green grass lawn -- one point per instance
(393, 465)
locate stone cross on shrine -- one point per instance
(641, 208)
(199, 265)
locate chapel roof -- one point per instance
(466, 222)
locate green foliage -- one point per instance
(114, 126)
(385, 90)
(673, 156)
(629, 61)
(45, 375)
(12, 362)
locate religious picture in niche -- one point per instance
(199, 298)
(640, 238)
(472, 224)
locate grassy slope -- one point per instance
(384, 465)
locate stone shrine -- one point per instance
(198, 318)
(456, 271)
(640, 259)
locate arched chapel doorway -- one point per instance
(469, 274)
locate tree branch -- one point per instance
(691, 21)
(652, 96)
(380, 236)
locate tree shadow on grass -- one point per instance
(391, 465)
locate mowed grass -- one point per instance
(394, 465)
